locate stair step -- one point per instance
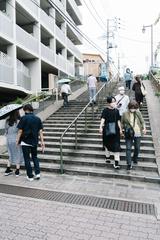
(96, 147)
(87, 135)
(94, 154)
(91, 140)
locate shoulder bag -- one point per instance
(129, 130)
(143, 90)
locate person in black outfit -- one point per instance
(30, 127)
(111, 142)
(137, 89)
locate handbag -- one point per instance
(129, 133)
(143, 90)
(111, 129)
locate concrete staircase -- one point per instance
(88, 158)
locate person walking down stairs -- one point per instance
(134, 127)
(110, 127)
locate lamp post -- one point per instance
(143, 30)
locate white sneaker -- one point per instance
(30, 179)
(37, 176)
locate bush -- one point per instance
(158, 94)
(18, 101)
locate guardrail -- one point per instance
(155, 81)
(100, 98)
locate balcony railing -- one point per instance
(26, 40)
(47, 54)
(6, 26)
(59, 5)
(6, 69)
(60, 34)
(76, 9)
(74, 49)
(23, 76)
(32, 6)
(61, 62)
(47, 21)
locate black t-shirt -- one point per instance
(30, 125)
(110, 115)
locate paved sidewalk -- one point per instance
(29, 219)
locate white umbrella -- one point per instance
(6, 110)
(64, 80)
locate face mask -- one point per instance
(113, 105)
(121, 92)
(132, 110)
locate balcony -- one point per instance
(61, 62)
(6, 69)
(70, 69)
(26, 40)
(47, 21)
(59, 5)
(31, 6)
(77, 16)
(74, 50)
(47, 54)
(60, 35)
(23, 76)
(6, 26)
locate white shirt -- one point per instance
(124, 103)
(66, 88)
(92, 82)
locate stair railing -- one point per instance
(106, 89)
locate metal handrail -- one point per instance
(156, 81)
(84, 110)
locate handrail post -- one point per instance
(56, 94)
(43, 101)
(92, 110)
(76, 134)
(61, 157)
(86, 120)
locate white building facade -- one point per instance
(38, 42)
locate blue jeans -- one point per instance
(27, 151)
(92, 93)
(128, 84)
(129, 144)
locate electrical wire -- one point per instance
(102, 27)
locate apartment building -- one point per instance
(38, 43)
(92, 64)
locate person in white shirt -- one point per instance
(65, 91)
(122, 101)
(92, 84)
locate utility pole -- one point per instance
(107, 67)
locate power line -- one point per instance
(97, 13)
(93, 16)
(75, 27)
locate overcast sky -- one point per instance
(133, 45)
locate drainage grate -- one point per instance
(85, 200)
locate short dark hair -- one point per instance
(110, 98)
(133, 104)
(28, 107)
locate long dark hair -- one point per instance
(13, 118)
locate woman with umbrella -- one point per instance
(11, 130)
